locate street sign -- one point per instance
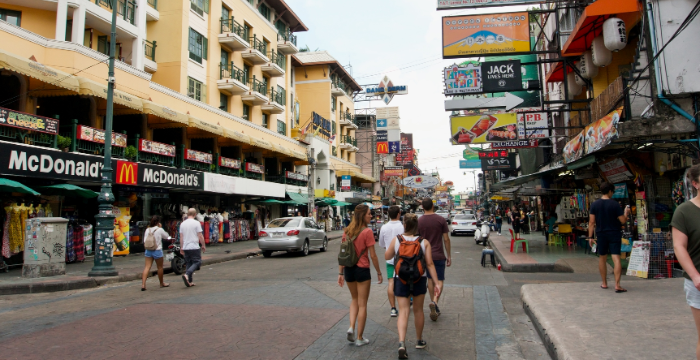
(420, 182)
(469, 164)
(507, 163)
(500, 76)
(387, 90)
(509, 102)
(493, 154)
(514, 144)
(345, 182)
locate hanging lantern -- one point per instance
(586, 66)
(615, 34)
(601, 55)
(574, 87)
(579, 81)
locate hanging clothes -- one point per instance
(78, 243)
(213, 229)
(87, 238)
(205, 228)
(6, 233)
(16, 237)
(70, 250)
(23, 216)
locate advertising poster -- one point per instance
(26, 121)
(574, 149)
(639, 260)
(463, 79)
(98, 136)
(393, 171)
(536, 125)
(154, 147)
(501, 76)
(406, 142)
(488, 34)
(483, 129)
(602, 132)
(229, 163)
(121, 230)
(620, 191)
(198, 156)
(345, 182)
(256, 168)
(404, 158)
(615, 170)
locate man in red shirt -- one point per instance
(434, 228)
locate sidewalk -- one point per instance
(581, 321)
(542, 257)
(130, 268)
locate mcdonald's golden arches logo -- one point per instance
(382, 147)
(127, 172)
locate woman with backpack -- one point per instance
(353, 265)
(153, 238)
(411, 251)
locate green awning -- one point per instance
(342, 203)
(67, 190)
(581, 163)
(298, 198)
(327, 201)
(270, 201)
(7, 185)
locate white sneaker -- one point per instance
(362, 342)
(351, 335)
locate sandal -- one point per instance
(165, 285)
(143, 289)
(620, 290)
(187, 282)
(603, 287)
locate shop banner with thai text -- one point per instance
(154, 147)
(24, 121)
(87, 133)
(488, 34)
(615, 170)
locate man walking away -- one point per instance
(607, 217)
(191, 239)
(389, 231)
(434, 228)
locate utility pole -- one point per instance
(312, 182)
(104, 238)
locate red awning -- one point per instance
(590, 24)
(556, 72)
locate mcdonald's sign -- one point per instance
(382, 147)
(127, 173)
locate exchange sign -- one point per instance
(489, 34)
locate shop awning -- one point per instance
(556, 72)
(298, 198)
(38, 71)
(151, 108)
(357, 175)
(7, 185)
(342, 203)
(590, 24)
(93, 88)
(581, 163)
(280, 149)
(68, 190)
(523, 179)
(236, 135)
(298, 155)
(270, 201)
(263, 144)
(206, 126)
(327, 202)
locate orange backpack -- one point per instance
(409, 261)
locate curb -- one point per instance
(541, 331)
(506, 267)
(93, 282)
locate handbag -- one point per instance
(150, 242)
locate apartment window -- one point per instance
(246, 112)
(196, 90)
(223, 102)
(198, 46)
(281, 27)
(264, 11)
(11, 16)
(246, 72)
(103, 45)
(224, 57)
(225, 13)
(281, 127)
(265, 118)
(332, 103)
(200, 6)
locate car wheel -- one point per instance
(305, 248)
(325, 245)
(267, 253)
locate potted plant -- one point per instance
(63, 143)
(130, 152)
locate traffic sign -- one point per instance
(509, 102)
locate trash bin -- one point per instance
(45, 247)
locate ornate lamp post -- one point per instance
(104, 238)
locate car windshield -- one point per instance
(280, 223)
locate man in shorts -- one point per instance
(434, 228)
(607, 217)
(389, 231)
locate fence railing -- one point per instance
(279, 59)
(231, 26)
(288, 37)
(347, 139)
(125, 8)
(279, 96)
(230, 71)
(259, 86)
(150, 50)
(153, 3)
(258, 44)
(281, 127)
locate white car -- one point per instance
(463, 225)
(444, 213)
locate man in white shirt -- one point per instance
(386, 234)
(191, 239)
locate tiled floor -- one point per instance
(539, 251)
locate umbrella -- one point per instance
(68, 190)
(7, 185)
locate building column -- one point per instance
(78, 33)
(138, 44)
(61, 19)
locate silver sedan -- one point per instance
(463, 224)
(292, 234)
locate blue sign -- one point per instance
(620, 191)
(394, 147)
(389, 89)
(382, 135)
(470, 164)
(381, 123)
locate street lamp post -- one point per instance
(104, 238)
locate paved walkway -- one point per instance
(581, 321)
(130, 268)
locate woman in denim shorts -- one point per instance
(156, 229)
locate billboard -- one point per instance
(463, 79)
(471, 159)
(531, 98)
(382, 147)
(463, 4)
(500, 76)
(507, 163)
(488, 34)
(393, 171)
(406, 142)
(483, 129)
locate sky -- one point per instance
(402, 39)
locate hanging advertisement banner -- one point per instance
(229, 163)
(121, 230)
(573, 150)
(615, 171)
(198, 156)
(420, 182)
(406, 142)
(602, 132)
(464, 4)
(483, 129)
(24, 121)
(488, 34)
(394, 147)
(507, 163)
(345, 182)
(536, 125)
(156, 148)
(255, 168)
(518, 144)
(529, 72)
(87, 133)
(393, 171)
(296, 176)
(501, 76)
(404, 158)
(463, 79)
(382, 135)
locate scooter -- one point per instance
(481, 235)
(177, 260)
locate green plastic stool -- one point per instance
(515, 246)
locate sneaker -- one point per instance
(433, 311)
(421, 344)
(394, 312)
(351, 335)
(402, 351)
(361, 342)
(437, 309)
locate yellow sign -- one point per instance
(441, 188)
(489, 34)
(121, 230)
(483, 128)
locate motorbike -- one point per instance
(483, 228)
(177, 260)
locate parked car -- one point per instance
(292, 234)
(444, 213)
(453, 213)
(463, 225)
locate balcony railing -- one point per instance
(87, 147)
(282, 127)
(259, 86)
(258, 44)
(288, 37)
(125, 8)
(153, 3)
(347, 139)
(340, 85)
(231, 26)
(230, 71)
(279, 59)
(279, 96)
(150, 50)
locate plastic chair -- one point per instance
(565, 232)
(483, 257)
(526, 245)
(552, 240)
(513, 241)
